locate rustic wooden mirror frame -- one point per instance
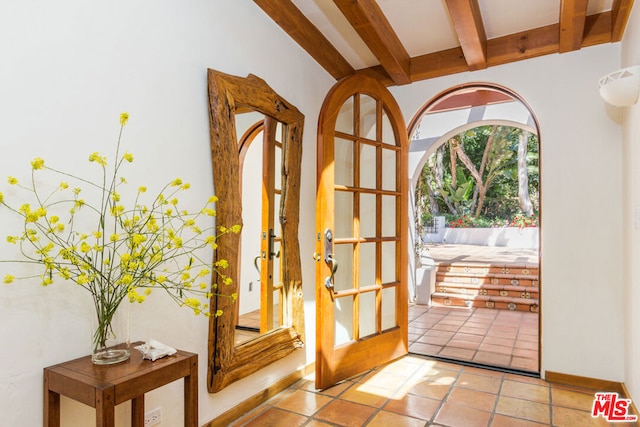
(227, 95)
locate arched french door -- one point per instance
(361, 247)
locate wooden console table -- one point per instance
(105, 386)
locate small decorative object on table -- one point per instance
(154, 350)
(115, 252)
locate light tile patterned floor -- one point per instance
(418, 391)
(485, 336)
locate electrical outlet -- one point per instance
(152, 418)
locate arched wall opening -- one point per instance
(447, 114)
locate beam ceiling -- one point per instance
(575, 29)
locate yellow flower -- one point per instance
(209, 212)
(161, 279)
(46, 281)
(60, 227)
(212, 199)
(96, 157)
(222, 263)
(218, 313)
(1, 197)
(97, 234)
(124, 118)
(186, 186)
(228, 280)
(64, 185)
(176, 182)
(192, 302)
(142, 189)
(85, 247)
(12, 180)
(12, 239)
(236, 228)
(65, 273)
(138, 239)
(37, 163)
(114, 237)
(128, 157)
(8, 278)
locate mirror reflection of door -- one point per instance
(260, 287)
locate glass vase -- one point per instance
(110, 333)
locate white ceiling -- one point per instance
(424, 26)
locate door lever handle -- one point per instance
(329, 259)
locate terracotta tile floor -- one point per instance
(502, 338)
(419, 391)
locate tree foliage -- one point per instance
(489, 171)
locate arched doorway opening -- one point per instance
(474, 279)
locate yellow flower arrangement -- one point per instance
(128, 251)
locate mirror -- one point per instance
(250, 124)
(260, 282)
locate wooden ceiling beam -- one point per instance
(300, 29)
(366, 17)
(620, 11)
(438, 64)
(467, 22)
(573, 15)
(503, 50)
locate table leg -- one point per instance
(137, 411)
(105, 408)
(191, 395)
(51, 408)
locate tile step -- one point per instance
(485, 301)
(495, 280)
(527, 292)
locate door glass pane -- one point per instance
(389, 308)
(367, 215)
(277, 170)
(277, 227)
(368, 167)
(343, 315)
(387, 130)
(388, 262)
(343, 214)
(388, 216)
(343, 162)
(367, 314)
(367, 117)
(343, 279)
(389, 170)
(367, 264)
(277, 276)
(344, 121)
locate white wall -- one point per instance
(631, 210)
(582, 321)
(68, 68)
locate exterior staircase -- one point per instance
(487, 285)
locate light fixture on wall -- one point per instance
(622, 87)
